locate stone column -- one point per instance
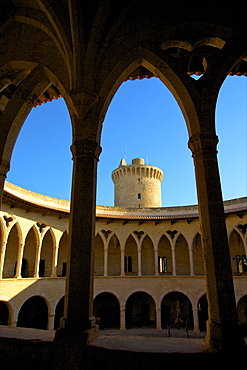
(156, 261)
(158, 317)
(106, 260)
(51, 319)
(122, 261)
(54, 261)
(2, 257)
(139, 256)
(78, 320)
(174, 267)
(223, 332)
(191, 255)
(122, 319)
(195, 318)
(4, 168)
(19, 261)
(37, 260)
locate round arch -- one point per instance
(106, 310)
(140, 310)
(176, 307)
(33, 313)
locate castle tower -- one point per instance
(137, 185)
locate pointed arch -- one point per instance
(98, 255)
(165, 255)
(131, 257)
(180, 85)
(182, 256)
(114, 256)
(46, 257)
(11, 252)
(29, 254)
(147, 256)
(237, 253)
(63, 254)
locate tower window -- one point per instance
(139, 196)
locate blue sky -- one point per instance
(144, 121)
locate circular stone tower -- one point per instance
(137, 185)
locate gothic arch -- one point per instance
(147, 256)
(30, 248)
(198, 255)
(182, 256)
(98, 255)
(131, 256)
(62, 254)
(114, 256)
(178, 83)
(165, 255)
(33, 313)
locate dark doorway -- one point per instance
(4, 313)
(59, 313)
(175, 307)
(203, 312)
(33, 314)
(140, 311)
(242, 314)
(107, 311)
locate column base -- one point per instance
(70, 344)
(225, 338)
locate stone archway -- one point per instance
(33, 313)
(176, 307)
(140, 311)
(107, 310)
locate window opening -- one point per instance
(162, 264)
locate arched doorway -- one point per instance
(202, 312)
(242, 314)
(140, 311)
(4, 313)
(33, 314)
(176, 306)
(106, 310)
(58, 313)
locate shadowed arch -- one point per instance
(33, 313)
(107, 310)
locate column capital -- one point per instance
(4, 167)
(85, 148)
(203, 141)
